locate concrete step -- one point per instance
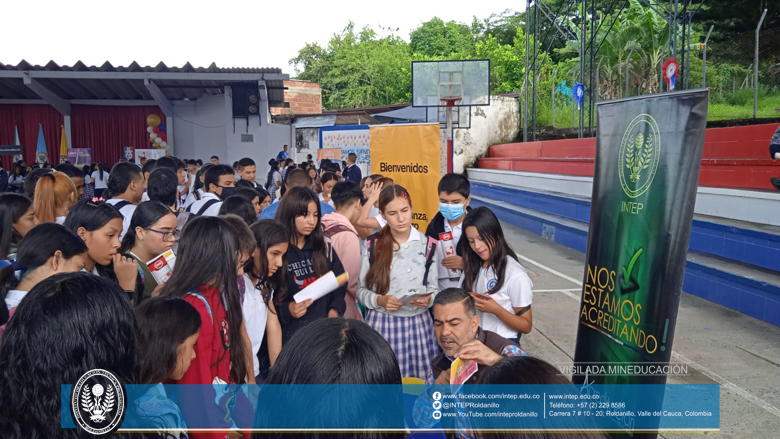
(739, 241)
(755, 206)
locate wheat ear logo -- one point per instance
(640, 151)
(98, 402)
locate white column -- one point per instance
(169, 133)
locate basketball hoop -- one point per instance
(449, 101)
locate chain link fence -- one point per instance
(728, 71)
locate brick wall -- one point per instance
(304, 98)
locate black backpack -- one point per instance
(202, 209)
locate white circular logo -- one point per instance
(437, 395)
(97, 402)
(437, 405)
(437, 415)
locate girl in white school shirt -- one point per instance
(394, 265)
(491, 272)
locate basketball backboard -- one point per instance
(468, 80)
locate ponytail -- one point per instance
(269, 180)
(53, 190)
(45, 201)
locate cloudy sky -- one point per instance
(232, 33)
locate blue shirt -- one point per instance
(270, 211)
(282, 155)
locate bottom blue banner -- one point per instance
(623, 408)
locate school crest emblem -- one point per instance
(98, 402)
(640, 152)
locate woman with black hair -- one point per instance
(99, 179)
(239, 206)
(89, 190)
(168, 328)
(205, 276)
(309, 257)
(16, 180)
(252, 195)
(274, 179)
(531, 371)
(17, 217)
(52, 340)
(500, 285)
(327, 181)
(47, 250)
(152, 232)
(266, 273)
(99, 226)
(336, 351)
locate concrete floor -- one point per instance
(720, 346)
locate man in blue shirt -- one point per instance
(352, 173)
(296, 177)
(283, 153)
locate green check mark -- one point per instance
(627, 273)
(626, 285)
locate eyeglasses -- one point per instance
(166, 236)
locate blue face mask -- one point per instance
(451, 211)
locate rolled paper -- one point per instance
(322, 287)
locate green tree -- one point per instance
(358, 69)
(436, 38)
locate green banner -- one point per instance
(648, 157)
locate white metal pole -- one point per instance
(704, 60)
(755, 69)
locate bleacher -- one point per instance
(734, 250)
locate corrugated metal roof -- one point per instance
(127, 83)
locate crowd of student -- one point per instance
(79, 295)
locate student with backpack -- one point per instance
(500, 285)
(126, 187)
(397, 264)
(219, 183)
(309, 257)
(447, 224)
(152, 232)
(205, 276)
(198, 189)
(340, 229)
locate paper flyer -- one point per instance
(462, 370)
(161, 266)
(406, 299)
(322, 287)
(448, 246)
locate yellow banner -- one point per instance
(411, 156)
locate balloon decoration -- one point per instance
(157, 135)
(670, 72)
(579, 93)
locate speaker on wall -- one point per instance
(246, 99)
